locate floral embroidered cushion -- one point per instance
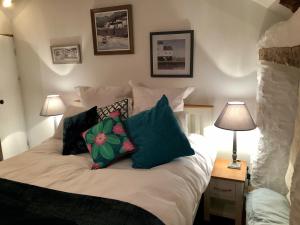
(107, 141)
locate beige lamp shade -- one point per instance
(53, 106)
(235, 116)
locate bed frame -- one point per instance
(198, 117)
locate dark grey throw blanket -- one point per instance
(22, 204)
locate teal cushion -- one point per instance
(107, 141)
(157, 136)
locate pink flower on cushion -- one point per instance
(114, 114)
(100, 139)
(95, 166)
(89, 147)
(118, 129)
(83, 134)
(128, 146)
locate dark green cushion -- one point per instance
(73, 142)
(157, 136)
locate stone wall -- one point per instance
(277, 101)
(289, 56)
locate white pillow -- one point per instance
(102, 96)
(70, 111)
(182, 121)
(145, 98)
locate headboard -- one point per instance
(198, 117)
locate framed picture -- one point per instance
(68, 54)
(112, 30)
(172, 53)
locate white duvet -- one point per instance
(171, 191)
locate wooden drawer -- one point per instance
(222, 189)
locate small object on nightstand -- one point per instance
(225, 193)
(236, 117)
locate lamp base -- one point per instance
(234, 165)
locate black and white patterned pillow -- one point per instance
(123, 106)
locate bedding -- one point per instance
(40, 205)
(102, 96)
(181, 118)
(73, 142)
(145, 98)
(70, 111)
(124, 106)
(165, 140)
(265, 206)
(170, 192)
(107, 141)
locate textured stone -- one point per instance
(282, 55)
(277, 100)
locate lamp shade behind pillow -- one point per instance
(157, 136)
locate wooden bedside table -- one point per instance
(225, 193)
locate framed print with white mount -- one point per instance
(66, 54)
(172, 53)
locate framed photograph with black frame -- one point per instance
(172, 53)
(112, 30)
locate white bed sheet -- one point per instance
(171, 191)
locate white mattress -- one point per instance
(171, 191)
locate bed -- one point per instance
(167, 194)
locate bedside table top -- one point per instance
(221, 171)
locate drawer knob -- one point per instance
(1, 102)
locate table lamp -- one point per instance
(53, 106)
(235, 117)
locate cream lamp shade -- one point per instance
(53, 106)
(236, 117)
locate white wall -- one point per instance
(12, 130)
(5, 24)
(226, 33)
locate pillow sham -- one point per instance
(73, 143)
(145, 98)
(102, 96)
(157, 136)
(107, 141)
(181, 118)
(70, 111)
(123, 106)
